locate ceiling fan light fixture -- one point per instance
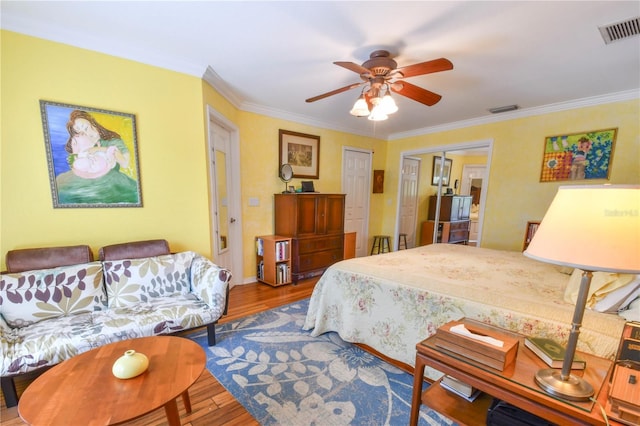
(378, 114)
(387, 104)
(360, 108)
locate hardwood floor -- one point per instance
(211, 403)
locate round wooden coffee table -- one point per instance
(83, 391)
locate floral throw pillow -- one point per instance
(32, 296)
(132, 281)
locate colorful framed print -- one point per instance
(446, 173)
(302, 152)
(92, 156)
(578, 156)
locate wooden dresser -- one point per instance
(315, 223)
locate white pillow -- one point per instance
(619, 299)
(633, 311)
(602, 284)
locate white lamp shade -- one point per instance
(360, 108)
(591, 227)
(377, 113)
(388, 104)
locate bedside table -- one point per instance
(515, 385)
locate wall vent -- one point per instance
(620, 30)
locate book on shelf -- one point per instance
(459, 386)
(469, 398)
(259, 246)
(282, 250)
(283, 273)
(552, 352)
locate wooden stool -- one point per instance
(381, 242)
(402, 240)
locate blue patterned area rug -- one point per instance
(283, 376)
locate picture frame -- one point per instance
(435, 171)
(302, 152)
(578, 156)
(92, 156)
(378, 181)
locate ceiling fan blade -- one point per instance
(416, 93)
(354, 67)
(334, 92)
(428, 67)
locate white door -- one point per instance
(225, 205)
(356, 184)
(409, 199)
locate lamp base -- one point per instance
(574, 388)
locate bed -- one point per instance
(392, 301)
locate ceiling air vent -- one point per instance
(620, 30)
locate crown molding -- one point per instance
(211, 77)
(521, 113)
(299, 118)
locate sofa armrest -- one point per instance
(210, 283)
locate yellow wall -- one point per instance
(259, 147)
(168, 110)
(514, 191)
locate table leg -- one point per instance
(186, 400)
(416, 400)
(171, 409)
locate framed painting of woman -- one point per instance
(92, 156)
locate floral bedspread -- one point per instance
(392, 301)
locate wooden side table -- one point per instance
(515, 385)
(83, 391)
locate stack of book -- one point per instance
(460, 388)
(552, 352)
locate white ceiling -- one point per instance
(269, 56)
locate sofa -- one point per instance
(58, 302)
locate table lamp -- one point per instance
(592, 228)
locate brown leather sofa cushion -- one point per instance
(21, 260)
(134, 250)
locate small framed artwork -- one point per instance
(578, 156)
(446, 173)
(92, 155)
(378, 181)
(302, 152)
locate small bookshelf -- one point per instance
(273, 260)
(532, 227)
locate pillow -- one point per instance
(602, 283)
(620, 298)
(32, 296)
(131, 281)
(633, 311)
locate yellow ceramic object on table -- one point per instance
(130, 365)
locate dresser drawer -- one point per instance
(311, 245)
(459, 226)
(321, 259)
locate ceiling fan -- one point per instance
(380, 74)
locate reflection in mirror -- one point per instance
(475, 190)
(222, 204)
